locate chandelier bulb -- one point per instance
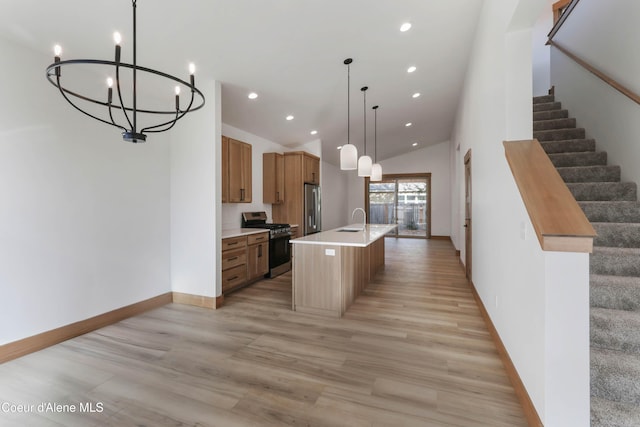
(57, 50)
(117, 38)
(177, 89)
(109, 82)
(192, 68)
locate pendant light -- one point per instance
(376, 168)
(364, 162)
(349, 152)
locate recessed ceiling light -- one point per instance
(339, 147)
(411, 69)
(415, 95)
(314, 132)
(408, 124)
(252, 95)
(405, 27)
(415, 144)
(289, 117)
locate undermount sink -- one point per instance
(349, 230)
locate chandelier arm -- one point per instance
(169, 124)
(113, 121)
(81, 110)
(124, 110)
(154, 129)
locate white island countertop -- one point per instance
(360, 238)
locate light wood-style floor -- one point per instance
(411, 351)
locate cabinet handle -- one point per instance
(260, 251)
(232, 244)
(232, 278)
(242, 194)
(313, 176)
(277, 196)
(233, 259)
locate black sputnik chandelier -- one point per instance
(156, 120)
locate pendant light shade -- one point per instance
(348, 157)
(364, 162)
(349, 152)
(364, 166)
(376, 168)
(376, 172)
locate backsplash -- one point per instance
(232, 213)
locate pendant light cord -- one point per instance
(375, 134)
(348, 102)
(364, 92)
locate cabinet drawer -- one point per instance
(233, 277)
(234, 243)
(252, 239)
(233, 258)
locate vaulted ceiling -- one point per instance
(289, 52)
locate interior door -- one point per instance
(467, 214)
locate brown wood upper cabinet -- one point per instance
(311, 169)
(237, 170)
(273, 178)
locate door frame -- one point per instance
(426, 176)
(468, 233)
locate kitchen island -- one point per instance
(331, 268)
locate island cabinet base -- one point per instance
(328, 278)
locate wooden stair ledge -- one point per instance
(557, 218)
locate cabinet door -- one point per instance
(311, 170)
(258, 264)
(239, 172)
(273, 178)
(225, 169)
(246, 173)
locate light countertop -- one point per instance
(371, 233)
(237, 232)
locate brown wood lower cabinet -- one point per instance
(244, 259)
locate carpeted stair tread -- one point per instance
(554, 124)
(546, 106)
(615, 329)
(572, 145)
(559, 134)
(590, 173)
(615, 191)
(543, 99)
(585, 158)
(615, 292)
(614, 375)
(607, 211)
(605, 413)
(550, 114)
(615, 261)
(617, 234)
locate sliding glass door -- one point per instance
(401, 199)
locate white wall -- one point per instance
(541, 52)
(231, 212)
(510, 271)
(433, 159)
(334, 196)
(594, 31)
(84, 216)
(195, 194)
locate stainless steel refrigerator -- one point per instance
(312, 217)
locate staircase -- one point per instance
(613, 209)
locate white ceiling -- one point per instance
(291, 53)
